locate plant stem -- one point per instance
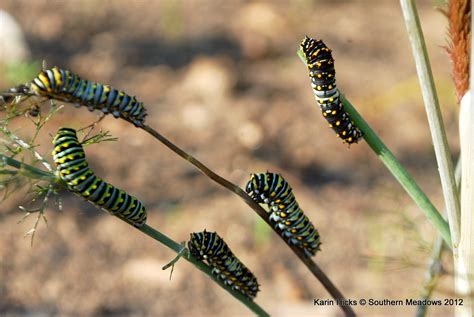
(158, 236)
(310, 264)
(432, 275)
(396, 168)
(435, 268)
(464, 281)
(32, 171)
(435, 119)
(155, 234)
(400, 173)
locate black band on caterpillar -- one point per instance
(225, 265)
(73, 168)
(272, 189)
(323, 81)
(64, 85)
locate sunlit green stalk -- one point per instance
(435, 119)
(397, 169)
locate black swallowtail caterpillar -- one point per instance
(323, 81)
(63, 85)
(73, 168)
(225, 265)
(272, 189)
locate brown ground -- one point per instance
(223, 82)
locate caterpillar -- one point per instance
(323, 81)
(272, 189)
(225, 265)
(70, 160)
(64, 85)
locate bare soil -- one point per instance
(222, 80)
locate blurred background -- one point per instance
(222, 80)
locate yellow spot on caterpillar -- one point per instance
(283, 214)
(330, 87)
(281, 206)
(57, 76)
(44, 79)
(331, 99)
(319, 76)
(338, 123)
(318, 87)
(333, 112)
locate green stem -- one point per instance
(156, 235)
(310, 264)
(32, 171)
(397, 170)
(435, 119)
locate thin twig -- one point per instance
(432, 275)
(310, 264)
(22, 167)
(27, 147)
(435, 269)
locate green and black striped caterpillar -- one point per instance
(323, 81)
(70, 160)
(64, 85)
(212, 248)
(272, 189)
